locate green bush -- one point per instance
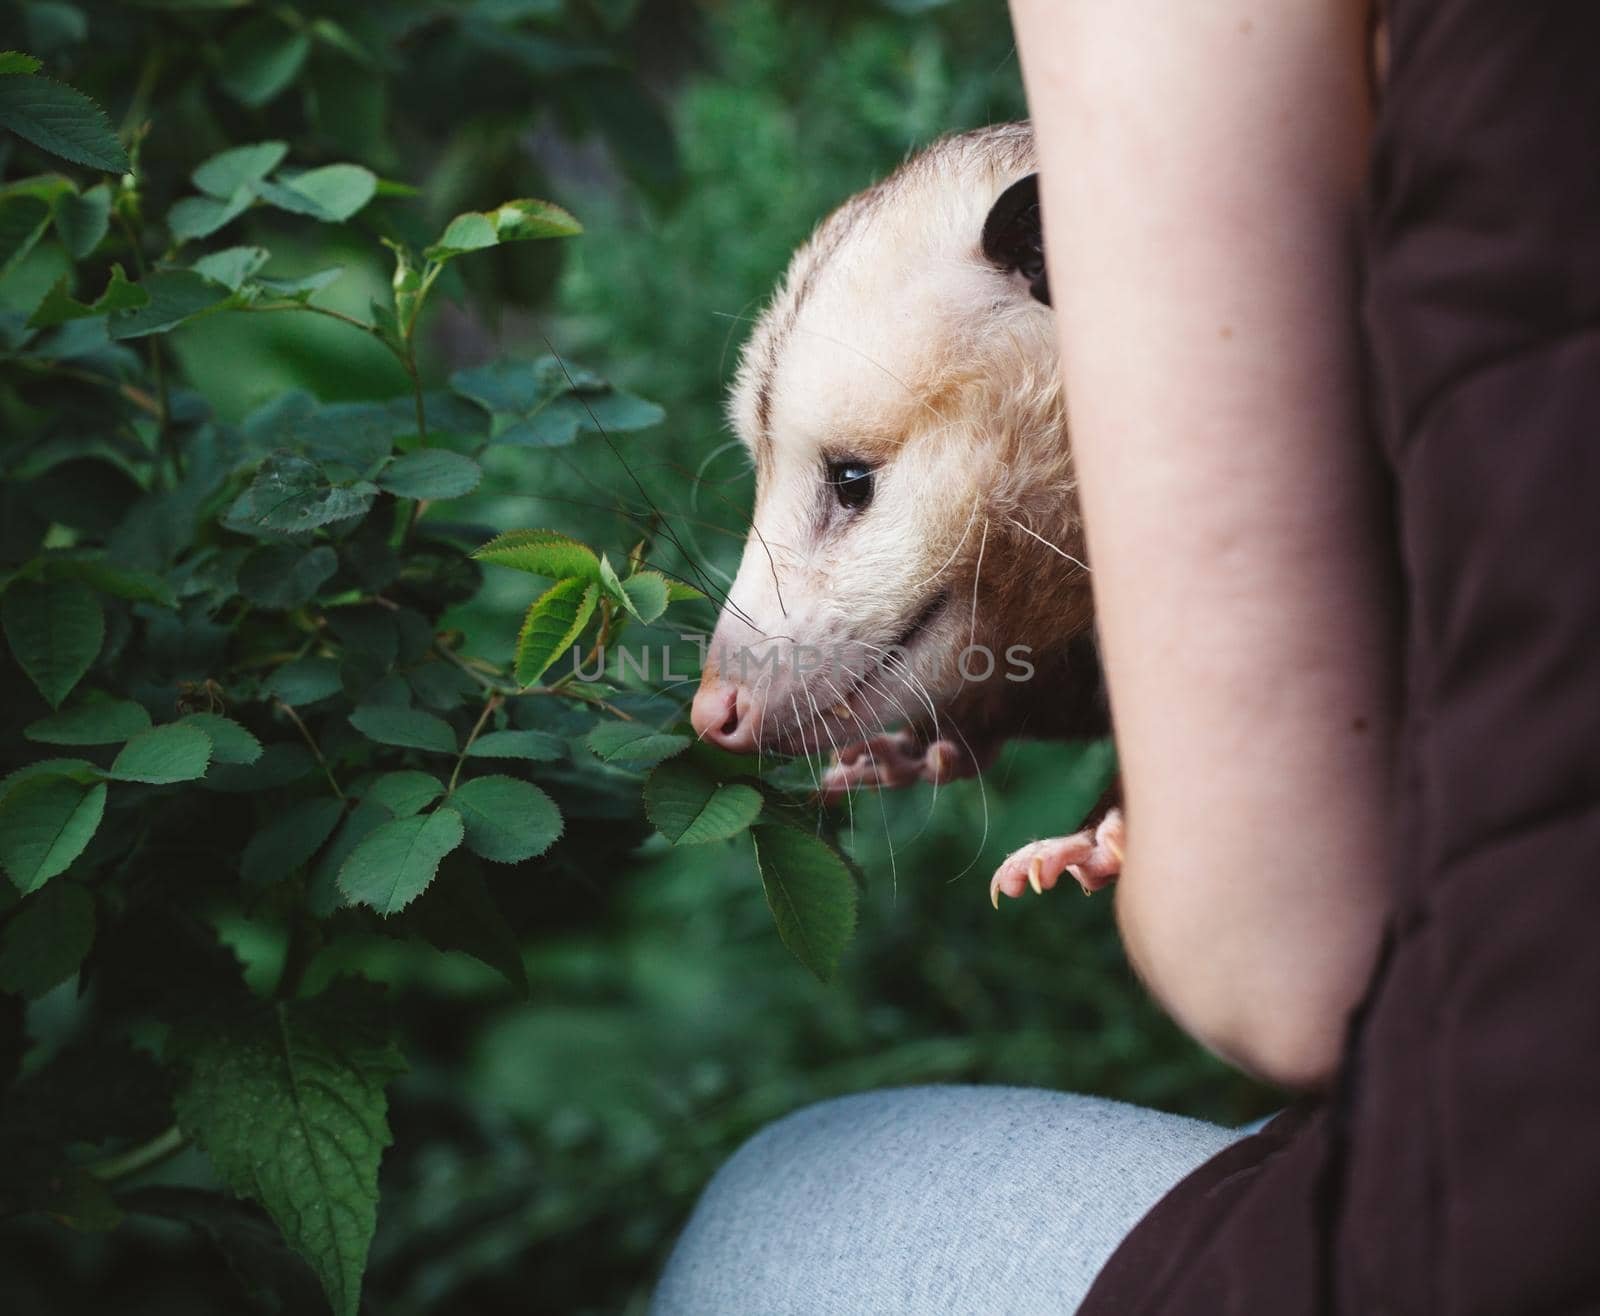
(326, 873)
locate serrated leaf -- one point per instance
(635, 743)
(292, 493)
(285, 576)
(394, 865)
(230, 742)
(332, 193)
(810, 892)
(680, 591)
(164, 755)
(432, 473)
(59, 307)
(300, 290)
(691, 806)
(304, 681)
(225, 173)
(260, 59)
(288, 1102)
(559, 424)
(201, 216)
(104, 722)
(92, 569)
(555, 620)
(290, 840)
(45, 823)
(506, 820)
(542, 553)
(46, 939)
(62, 120)
(55, 633)
(23, 220)
(647, 595)
(15, 62)
(405, 793)
(513, 221)
(232, 265)
(517, 389)
(409, 728)
(176, 297)
(539, 746)
(82, 219)
(457, 913)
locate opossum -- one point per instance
(916, 555)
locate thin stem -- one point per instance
(353, 321)
(304, 942)
(153, 1151)
(509, 689)
(493, 702)
(312, 743)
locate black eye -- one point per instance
(852, 483)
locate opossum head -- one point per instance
(915, 543)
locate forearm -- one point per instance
(1200, 177)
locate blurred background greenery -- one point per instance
(548, 1149)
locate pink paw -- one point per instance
(891, 761)
(1092, 858)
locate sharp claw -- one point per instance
(1077, 876)
(1110, 844)
(1034, 878)
(994, 892)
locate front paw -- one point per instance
(896, 759)
(1092, 858)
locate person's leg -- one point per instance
(935, 1199)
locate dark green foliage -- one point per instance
(303, 515)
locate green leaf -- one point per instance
(634, 742)
(232, 265)
(689, 805)
(292, 493)
(260, 58)
(176, 297)
(582, 412)
(61, 120)
(410, 728)
(394, 865)
(14, 61)
(811, 893)
(58, 307)
(201, 216)
(100, 573)
(647, 594)
(332, 193)
(23, 220)
(82, 220)
(164, 755)
(555, 620)
(225, 173)
(104, 722)
(285, 576)
(542, 553)
(288, 1102)
(405, 793)
(457, 913)
(680, 591)
(45, 823)
(301, 289)
(230, 742)
(540, 746)
(520, 388)
(513, 221)
(55, 633)
(432, 473)
(507, 820)
(290, 840)
(304, 681)
(46, 939)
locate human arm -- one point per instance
(1201, 167)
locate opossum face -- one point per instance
(914, 537)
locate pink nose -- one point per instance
(722, 715)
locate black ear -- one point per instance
(1012, 238)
